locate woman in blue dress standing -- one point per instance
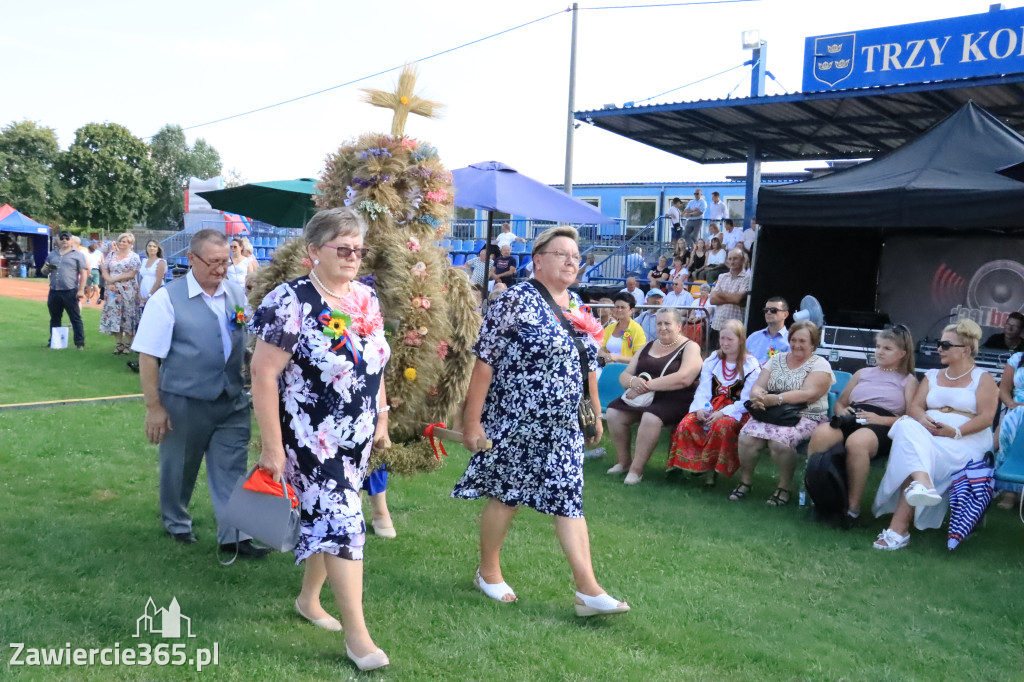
(319, 398)
(524, 395)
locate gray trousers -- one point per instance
(218, 429)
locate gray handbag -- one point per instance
(271, 519)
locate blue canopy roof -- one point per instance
(16, 221)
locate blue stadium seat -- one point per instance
(460, 259)
(479, 244)
(518, 247)
(446, 243)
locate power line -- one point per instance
(699, 80)
(374, 75)
(671, 4)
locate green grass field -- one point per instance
(720, 590)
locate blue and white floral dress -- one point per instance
(531, 409)
(328, 407)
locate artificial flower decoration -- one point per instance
(421, 302)
(403, 99)
(438, 195)
(413, 338)
(433, 392)
(336, 324)
(442, 349)
(627, 339)
(410, 374)
(306, 263)
(419, 270)
(238, 317)
(585, 323)
(413, 244)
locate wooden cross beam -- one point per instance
(403, 101)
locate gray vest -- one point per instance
(194, 366)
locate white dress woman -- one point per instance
(915, 449)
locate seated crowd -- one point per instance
(769, 392)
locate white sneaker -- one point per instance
(919, 496)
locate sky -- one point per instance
(144, 65)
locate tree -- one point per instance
(108, 176)
(28, 179)
(234, 178)
(175, 162)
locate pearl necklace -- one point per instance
(312, 273)
(958, 378)
(667, 345)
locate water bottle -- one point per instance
(709, 410)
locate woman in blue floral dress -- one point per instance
(524, 395)
(319, 398)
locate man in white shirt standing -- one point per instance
(506, 238)
(634, 290)
(694, 214)
(191, 347)
(750, 236)
(717, 210)
(674, 214)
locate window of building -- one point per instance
(639, 211)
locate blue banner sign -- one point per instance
(962, 47)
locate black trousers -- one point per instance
(66, 299)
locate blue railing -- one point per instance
(264, 238)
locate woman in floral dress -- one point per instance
(121, 307)
(319, 398)
(524, 395)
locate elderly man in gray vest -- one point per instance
(191, 344)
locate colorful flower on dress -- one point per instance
(419, 270)
(413, 244)
(627, 339)
(421, 302)
(442, 349)
(410, 374)
(772, 350)
(238, 318)
(365, 315)
(585, 323)
(336, 324)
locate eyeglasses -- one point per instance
(775, 310)
(946, 345)
(213, 265)
(564, 255)
(344, 252)
(64, 237)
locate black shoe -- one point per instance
(186, 538)
(246, 550)
(133, 366)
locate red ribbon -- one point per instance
(343, 340)
(435, 442)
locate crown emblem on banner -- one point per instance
(842, 63)
(833, 49)
(824, 66)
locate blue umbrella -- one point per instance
(969, 495)
(492, 186)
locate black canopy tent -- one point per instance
(828, 236)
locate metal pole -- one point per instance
(487, 259)
(571, 124)
(757, 76)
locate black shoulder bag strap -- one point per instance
(584, 364)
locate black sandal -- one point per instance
(776, 499)
(739, 492)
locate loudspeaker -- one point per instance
(997, 284)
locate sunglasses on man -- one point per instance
(774, 310)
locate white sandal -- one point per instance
(496, 591)
(600, 605)
(919, 496)
(892, 540)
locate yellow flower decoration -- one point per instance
(410, 374)
(403, 99)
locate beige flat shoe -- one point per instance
(371, 661)
(633, 479)
(329, 623)
(617, 469)
(383, 531)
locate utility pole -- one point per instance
(570, 127)
(759, 56)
